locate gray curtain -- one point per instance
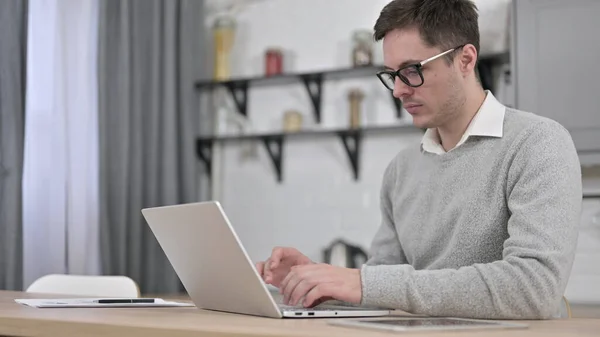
(150, 53)
(13, 37)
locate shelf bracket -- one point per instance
(204, 152)
(274, 146)
(239, 93)
(398, 105)
(314, 86)
(351, 140)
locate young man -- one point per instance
(478, 221)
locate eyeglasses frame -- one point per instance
(418, 66)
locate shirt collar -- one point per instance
(487, 122)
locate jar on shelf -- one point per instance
(273, 61)
(355, 98)
(223, 35)
(362, 48)
(292, 121)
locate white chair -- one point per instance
(86, 285)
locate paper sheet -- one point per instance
(92, 303)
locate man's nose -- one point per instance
(401, 89)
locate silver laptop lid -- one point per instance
(209, 258)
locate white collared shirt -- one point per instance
(488, 122)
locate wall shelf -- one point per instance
(313, 82)
(274, 143)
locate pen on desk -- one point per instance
(125, 300)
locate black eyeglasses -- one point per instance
(411, 74)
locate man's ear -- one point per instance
(467, 59)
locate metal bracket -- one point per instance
(239, 93)
(274, 145)
(314, 86)
(204, 153)
(351, 140)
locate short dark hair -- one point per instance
(441, 23)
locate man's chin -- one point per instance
(421, 123)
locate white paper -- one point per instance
(92, 303)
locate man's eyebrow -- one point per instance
(408, 62)
(403, 64)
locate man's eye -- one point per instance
(410, 72)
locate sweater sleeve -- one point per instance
(543, 194)
(385, 247)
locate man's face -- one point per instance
(440, 97)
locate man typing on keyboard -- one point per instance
(480, 219)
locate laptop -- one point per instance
(215, 269)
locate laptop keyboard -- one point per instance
(292, 308)
(317, 308)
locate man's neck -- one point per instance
(451, 132)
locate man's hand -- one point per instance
(321, 282)
(277, 267)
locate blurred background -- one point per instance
(271, 107)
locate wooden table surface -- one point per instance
(20, 320)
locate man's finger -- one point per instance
(260, 267)
(317, 292)
(301, 289)
(315, 303)
(293, 281)
(267, 265)
(286, 279)
(268, 272)
(276, 256)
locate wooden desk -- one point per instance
(20, 320)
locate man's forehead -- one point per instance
(403, 47)
(404, 36)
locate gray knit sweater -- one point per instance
(487, 230)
